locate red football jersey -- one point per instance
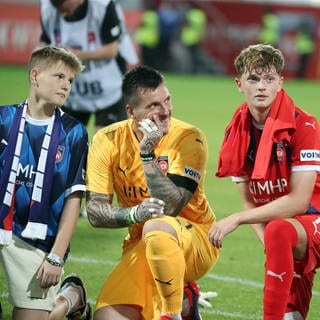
(301, 153)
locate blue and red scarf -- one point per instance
(36, 227)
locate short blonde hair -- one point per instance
(47, 55)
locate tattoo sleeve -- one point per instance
(161, 187)
(102, 214)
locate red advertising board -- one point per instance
(19, 31)
(233, 25)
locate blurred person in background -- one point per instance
(95, 31)
(270, 28)
(169, 27)
(305, 47)
(147, 36)
(192, 33)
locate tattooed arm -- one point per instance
(102, 214)
(161, 187)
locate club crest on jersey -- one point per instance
(280, 152)
(163, 163)
(59, 154)
(192, 173)
(91, 36)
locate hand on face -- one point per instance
(152, 133)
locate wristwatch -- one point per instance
(55, 259)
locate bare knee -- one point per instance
(158, 225)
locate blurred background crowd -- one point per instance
(191, 36)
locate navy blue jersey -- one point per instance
(69, 170)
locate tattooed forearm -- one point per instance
(102, 214)
(161, 187)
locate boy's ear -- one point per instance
(33, 77)
(238, 84)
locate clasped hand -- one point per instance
(152, 134)
(149, 208)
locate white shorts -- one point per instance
(21, 263)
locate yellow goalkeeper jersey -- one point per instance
(114, 166)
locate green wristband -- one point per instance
(131, 215)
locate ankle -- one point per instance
(71, 297)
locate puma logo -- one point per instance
(164, 282)
(311, 124)
(316, 223)
(123, 170)
(276, 275)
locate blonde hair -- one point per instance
(46, 56)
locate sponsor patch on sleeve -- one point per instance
(310, 155)
(192, 174)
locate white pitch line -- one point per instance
(245, 282)
(236, 315)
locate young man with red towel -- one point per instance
(271, 149)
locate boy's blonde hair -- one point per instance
(48, 55)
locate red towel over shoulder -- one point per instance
(233, 153)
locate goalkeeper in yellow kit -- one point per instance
(155, 165)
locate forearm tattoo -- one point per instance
(151, 140)
(102, 214)
(161, 187)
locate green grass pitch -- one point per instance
(207, 102)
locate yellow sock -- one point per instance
(167, 265)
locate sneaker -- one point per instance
(190, 301)
(83, 311)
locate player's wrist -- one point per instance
(54, 259)
(132, 215)
(147, 156)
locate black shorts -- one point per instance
(103, 117)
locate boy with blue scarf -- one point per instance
(42, 163)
